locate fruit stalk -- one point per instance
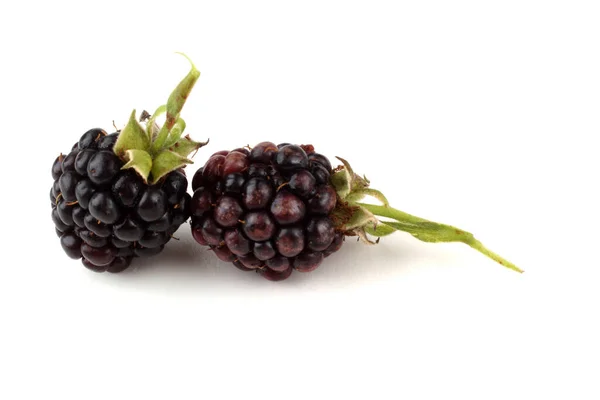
(428, 231)
(355, 217)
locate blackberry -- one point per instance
(280, 208)
(122, 195)
(253, 208)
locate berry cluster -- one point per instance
(106, 215)
(266, 209)
(270, 209)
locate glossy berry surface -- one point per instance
(266, 209)
(107, 216)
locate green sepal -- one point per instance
(140, 161)
(165, 162)
(360, 194)
(360, 217)
(186, 145)
(340, 182)
(175, 133)
(151, 126)
(154, 151)
(132, 137)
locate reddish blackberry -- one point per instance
(279, 208)
(266, 209)
(122, 195)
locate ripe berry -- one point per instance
(254, 209)
(120, 195)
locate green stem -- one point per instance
(432, 232)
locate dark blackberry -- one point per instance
(263, 222)
(122, 195)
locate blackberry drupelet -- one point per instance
(122, 195)
(267, 209)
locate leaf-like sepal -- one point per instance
(165, 162)
(360, 217)
(175, 133)
(132, 137)
(151, 126)
(340, 182)
(348, 176)
(154, 151)
(359, 194)
(185, 146)
(140, 161)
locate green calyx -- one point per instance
(356, 218)
(154, 151)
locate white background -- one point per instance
(477, 114)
